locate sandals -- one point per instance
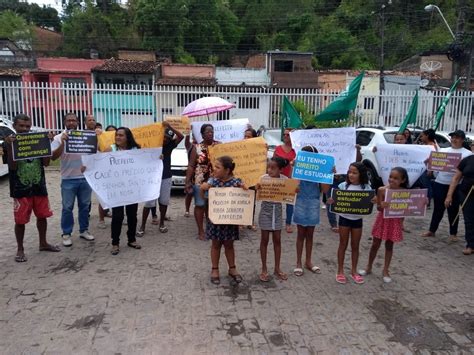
(21, 258)
(298, 271)
(357, 279)
(140, 233)
(115, 250)
(340, 278)
(281, 276)
(155, 221)
(236, 277)
(186, 214)
(428, 235)
(163, 229)
(314, 269)
(134, 245)
(289, 228)
(264, 277)
(363, 272)
(51, 248)
(215, 280)
(335, 229)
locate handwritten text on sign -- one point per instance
(179, 123)
(81, 142)
(224, 131)
(352, 202)
(405, 203)
(336, 142)
(31, 145)
(124, 177)
(149, 136)
(441, 161)
(313, 167)
(250, 158)
(410, 156)
(231, 205)
(277, 190)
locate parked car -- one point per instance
(369, 137)
(179, 165)
(6, 128)
(273, 139)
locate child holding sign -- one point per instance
(388, 229)
(306, 217)
(223, 234)
(271, 221)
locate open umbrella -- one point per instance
(207, 106)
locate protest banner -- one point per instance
(443, 161)
(412, 157)
(405, 203)
(149, 136)
(250, 158)
(124, 177)
(81, 142)
(336, 142)
(313, 167)
(358, 202)
(180, 123)
(277, 190)
(31, 145)
(224, 131)
(231, 205)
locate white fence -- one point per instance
(132, 106)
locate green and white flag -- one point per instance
(290, 118)
(411, 115)
(442, 107)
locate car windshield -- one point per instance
(273, 137)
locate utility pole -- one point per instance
(381, 13)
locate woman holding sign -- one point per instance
(199, 170)
(287, 152)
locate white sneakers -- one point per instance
(67, 239)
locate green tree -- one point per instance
(16, 29)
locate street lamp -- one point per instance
(431, 8)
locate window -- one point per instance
(363, 138)
(185, 98)
(249, 102)
(283, 65)
(369, 103)
(442, 141)
(223, 115)
(74, 86)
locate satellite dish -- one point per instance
(430, 66)
(424, 82)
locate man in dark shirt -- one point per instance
(28, 190)
(171, 140)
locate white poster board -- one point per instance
(224, 131)
(124, 177)
(409, 156)
(336, 142)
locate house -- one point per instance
(290, 69)
(45, 42)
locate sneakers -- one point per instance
(87, 236)
(67, 240)
(387, 279)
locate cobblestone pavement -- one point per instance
(160, 300)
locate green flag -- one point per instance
(442, 107)
(340, 108)
(289, 116)
(411, 115)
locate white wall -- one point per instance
(238, 76)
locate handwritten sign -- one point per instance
(124, 177)
(336, 142)
(250, 158)
(224, 131)
(442, 161)
(149, 136)
(81, 142)
(352, 202)
(179, 123)
(31, 145)
(412, 157)
(405, 203)
(277, 190)
(313, 167)
(231, 205)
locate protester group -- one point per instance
(303, 202)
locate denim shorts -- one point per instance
(351, 223)
(198, 200)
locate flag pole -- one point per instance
(462, 206)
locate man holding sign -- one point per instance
(28, 190)
(73, 185)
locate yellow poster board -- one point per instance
(180, 123)
(277, 190)
(250, 158)
(231, 205)
(149, 136)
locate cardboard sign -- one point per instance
(277, 190)
(250, 158)
(441, 161)
(224, 131)
(81, 142)
(336, 142)
(149, 136)
(31, 145)
(231, 205)
(313, 167)
(124, 177)
(405, 203)
(412, 157)
(180, 123)
(357, 202)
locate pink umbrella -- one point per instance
(207, 106)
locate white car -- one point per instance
(369, 137)
(6, 128)
(273, 139)
(179, 165)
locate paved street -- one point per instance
(159, 300)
